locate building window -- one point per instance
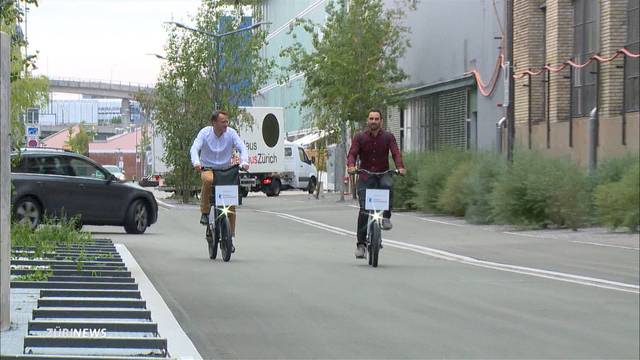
(632, 66)
(586, 42)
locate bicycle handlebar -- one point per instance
(203, 168)
(390, 171)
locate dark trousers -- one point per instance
(373, 182)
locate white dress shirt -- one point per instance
(209, 150)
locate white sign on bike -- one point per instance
(226, 195)
(376, 199)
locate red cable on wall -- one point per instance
(494, 77)
(595, 57)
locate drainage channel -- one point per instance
(89, 306)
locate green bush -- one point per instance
(614, 169)
(618, 202)
(486, 169)
(453, 199)
(404, 195)
(539, 191)
(434, 169)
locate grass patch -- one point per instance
(617, 203)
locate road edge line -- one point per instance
(179, 344)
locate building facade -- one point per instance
(553, 103)
(90, 111)
(443, 105)
(282, 14)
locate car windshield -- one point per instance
(112, 168)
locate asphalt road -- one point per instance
(442, 290)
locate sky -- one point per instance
(103, 39)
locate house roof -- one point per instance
(59, 140)
(123, 143)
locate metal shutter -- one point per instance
(393, 121)
(452, 108)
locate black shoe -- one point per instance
(204, 219)
(386, 224)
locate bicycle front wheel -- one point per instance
(376, 239)
(225, 238)
(212, 243)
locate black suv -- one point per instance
(62, 183)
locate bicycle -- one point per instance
(223, 196)
(376, 202)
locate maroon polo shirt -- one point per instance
(374, 151)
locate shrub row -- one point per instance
(534, 191)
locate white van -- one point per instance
(297, 163)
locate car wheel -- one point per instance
(275, 188)
(312, 185)
(28, 210)
(137, 219)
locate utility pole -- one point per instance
(509, 83)
(5, 181)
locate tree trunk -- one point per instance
(186, 188)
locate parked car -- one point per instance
(115, 170)
(61, 183)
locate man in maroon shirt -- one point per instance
(372, 146)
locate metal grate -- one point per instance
(94, 309)
(452, 108)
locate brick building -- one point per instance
(552, 107)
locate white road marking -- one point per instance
(445, 255)
(179, 344)
(606, 245)
(525, 235)
(442, 222)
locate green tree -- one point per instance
(353, 64)
(183, 97)
(80, 141)
(26, 91)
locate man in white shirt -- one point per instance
(213, 149)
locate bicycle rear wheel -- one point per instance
(376, 239)
(225, 238)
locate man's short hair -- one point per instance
(376, 110)
(217, 113)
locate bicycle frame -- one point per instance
(374, 228)
(219, 227)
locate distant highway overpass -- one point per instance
(97, 88)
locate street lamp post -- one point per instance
(216, 69)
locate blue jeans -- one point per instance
(372, 182)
